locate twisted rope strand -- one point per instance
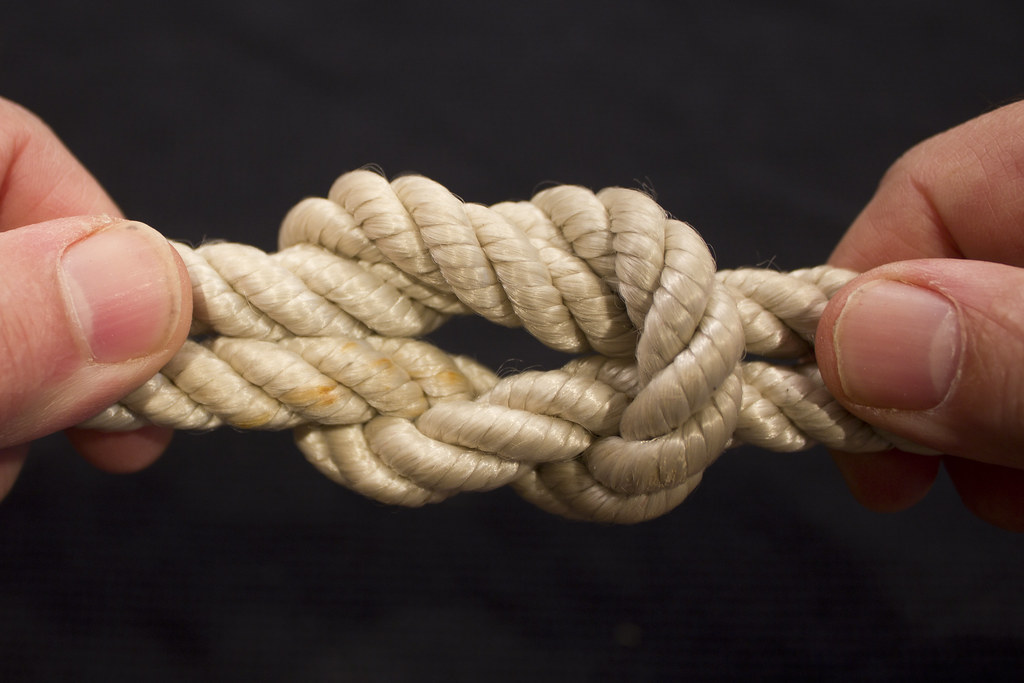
(320, 337)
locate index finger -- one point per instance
(40, 179)
(959, 194)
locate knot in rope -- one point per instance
(322, 337)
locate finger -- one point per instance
(889, 481)
(933, 350)
(121, 452)
(958, 194)
(11, 460)
(41, 179)
(993, 493)
(89, 309)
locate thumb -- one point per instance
(933, 350)
(90, 308)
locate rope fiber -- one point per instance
(321, 337)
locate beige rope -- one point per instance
(320, 337)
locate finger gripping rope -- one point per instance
(321, 337)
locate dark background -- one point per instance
(766, 127)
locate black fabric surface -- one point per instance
(767, 127)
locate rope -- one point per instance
(321, 337)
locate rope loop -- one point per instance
(322, 337)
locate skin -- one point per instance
(949, 216)
(50, 382)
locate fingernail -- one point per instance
(897, 346)
(123, 291)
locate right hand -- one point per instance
(929, 342)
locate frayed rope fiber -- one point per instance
(321, 337)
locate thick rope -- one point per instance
(320, 337)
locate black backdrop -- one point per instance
(766, 127)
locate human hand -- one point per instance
(90, 307)
(929, 342)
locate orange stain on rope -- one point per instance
(320, 395)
